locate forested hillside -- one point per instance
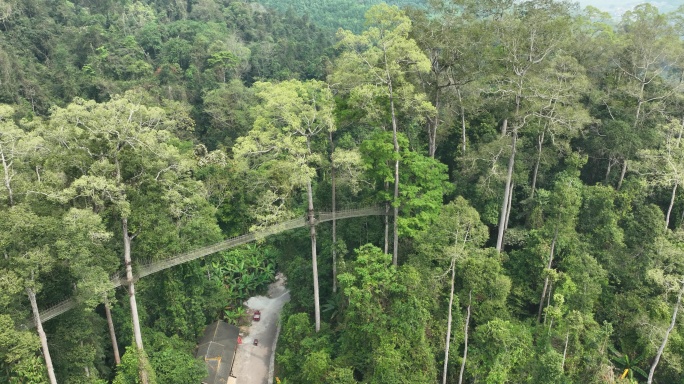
(527, 155)
(334, 14)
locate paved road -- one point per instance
(252, 362)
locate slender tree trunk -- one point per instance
(463, 124)
(7, 168)
(465, 338)
(314, 259)
(449, 318)
(334, 218)
(387, 209)
(669, 209)
(432, 134)
(395, 203)
(546, 281)
(131, 292)
(127, 239)
(548, 303)
(504, 205)
(112, 332)
(131, 285)
(508, 209)
(87, 370)
(610, 166)
(536, 164)
(622, 174)
(667, 335)
(641, 102)
(565, 350)
(41, 335)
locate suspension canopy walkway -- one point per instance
(146, 269)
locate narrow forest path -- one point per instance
(252, 361)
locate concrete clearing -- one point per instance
(252, 361)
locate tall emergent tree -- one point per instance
(123, 152)
(25, 241)
(375, 66)
(459, 46)
(644, 78)
(531, 35)
(282, 148)
(456, 233)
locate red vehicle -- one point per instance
(257, 315)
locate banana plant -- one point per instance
(628, 366)
(234, 315)
(331, 307)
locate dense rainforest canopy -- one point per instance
(528, 156)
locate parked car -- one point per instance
(257, 315)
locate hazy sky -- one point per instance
(617, 7)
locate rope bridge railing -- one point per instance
(322, 217)
(146, 269)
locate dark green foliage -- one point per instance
(385, 316)
(172, 361)
(62, 51)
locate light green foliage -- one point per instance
(315, 367)
(457, 229)
(349, 168)
(423, 180)
(222, 62)
(376, 64)
(646, 35)
(128, 371)
(341, 376)
(665, 165)
(18, 149)
(424, 184)
(549, 369)
(85, 239)
(128, 151)
(303, 355)
(19, 353)
(244, 271)
(482, 273)
(281, 147)
(500, 350)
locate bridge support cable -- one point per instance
(146, 269)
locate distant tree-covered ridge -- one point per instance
(334, 14)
